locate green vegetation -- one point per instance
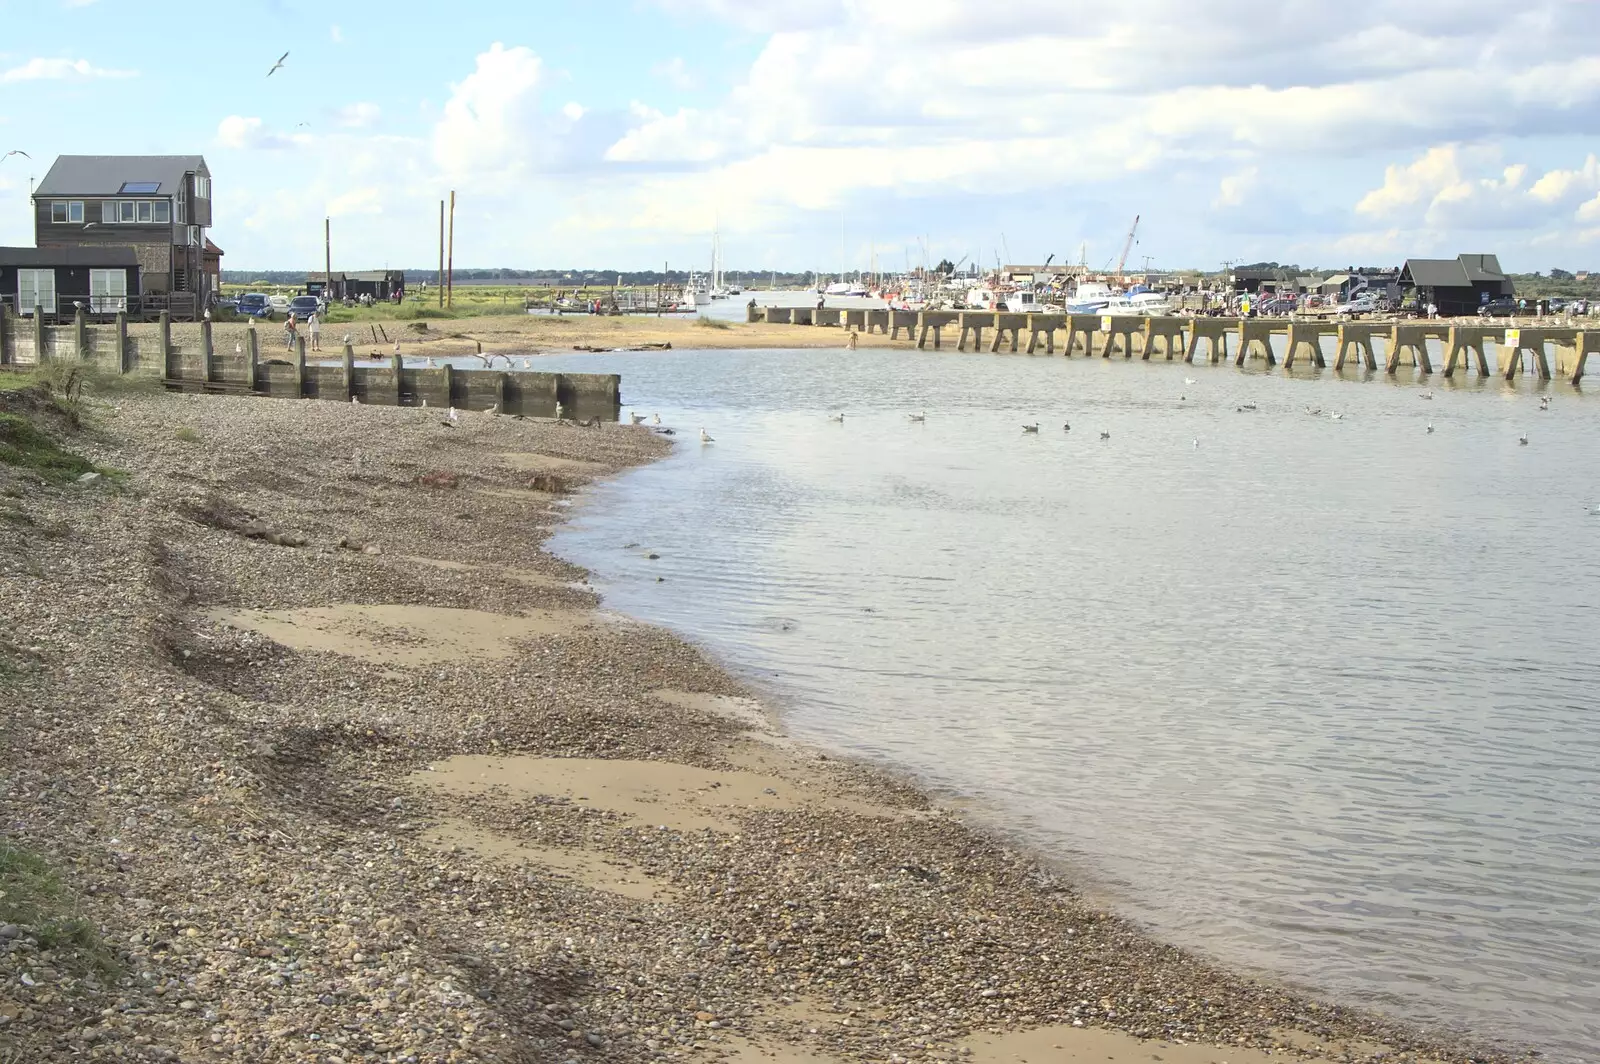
(187, 435)
(33, 897)
(712, 323)
(25, 445)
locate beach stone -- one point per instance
(88, 478)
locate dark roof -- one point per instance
(321, 276)
(104, 175)
(1482, 268)
(111, 255)
(375, 275)
(1437, 273)
(212, 249)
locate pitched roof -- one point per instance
(1482, 268)
(1437, 273)
(375, 275)
(104, 175)
(90, 255)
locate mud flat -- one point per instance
(403, 793)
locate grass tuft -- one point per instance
(712, 323)
(33, 897)
(187, 435)
(25, 445)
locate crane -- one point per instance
(1127, 246)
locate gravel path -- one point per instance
(244, 822)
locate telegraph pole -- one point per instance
(441, 254)
(450, 256)
(327, 260)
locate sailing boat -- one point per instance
(718, 289)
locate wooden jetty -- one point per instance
(1548, 352)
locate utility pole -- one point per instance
(450, 256)
(661, 287)
(441, 254)
(327, 259)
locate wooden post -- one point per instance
(397, 363)
(5, 335)
(327, 258)
(166, 344)
(450, 256)
(80, 335)
(122, 341)
(505, 387)
(349, 371)
(252, 357)
(300, 367)
(39, 353)
(206, 350)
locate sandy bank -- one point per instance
(415, 798)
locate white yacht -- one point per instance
(1091, 297)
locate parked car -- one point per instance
(1579, 306)
(303, 307)
(1276, 307)
(279, 303)
(1501, 307)
(1357, 307)
(255, 305)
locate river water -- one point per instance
(1316, 697)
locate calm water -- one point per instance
(1317, 697)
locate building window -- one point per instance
(146, 211)
(108, 291)
(126, 211)
(36, 288)
(202, 187)
(163, 211)
(108, 212)
(67, 211)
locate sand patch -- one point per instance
(653, 792)
(593, 870)
(745, 711)
(527, 495)
(1082, 1045)
(546, 463)
(400, 634)
(526, 577)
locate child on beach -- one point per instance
(314, 327)
(289, 332)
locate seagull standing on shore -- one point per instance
(638, 419)
(453, 415)
(705, 437)
(278, 65)
(656, 419)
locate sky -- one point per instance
(837, 133)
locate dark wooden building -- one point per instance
(57, 279)
(158, 206)
(382, 285)
(1456, 286)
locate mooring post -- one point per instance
(5, 335)
(39, 352)
(165, 319)
(396, 365)
(449, 388)
(252, 357)
(505, 389)
(206, 350)
(80, 335)
(122, 341)
(299, 367)
(349, 372)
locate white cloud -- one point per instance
(676, 72)
(488, 111)
(61, 70)
(1233, 190)
(249, 133)
(358, 115)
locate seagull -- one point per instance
(917, 417)
(1066, 426)
(1336, 417)
(1031, 428)
(1251, 405)
(1197, 443)
(1314, 412)
(16, 151)
(1190, 380)
(839, 417)
(1104, 435)
(297, 125)
(431, 364)
(278, 65)
(527, 363)
(705, 437)
(1426, 395)
(1430, 428)
(1523, 439)
(560, 410)
(1544, 403)
(453, 415)
(355, 401)
(638, 419)
(656, 419)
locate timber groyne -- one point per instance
(27, 343)
(1424, 347)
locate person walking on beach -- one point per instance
(850, 342)
(289, 332)
(314, 327)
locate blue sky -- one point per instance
(823, 132)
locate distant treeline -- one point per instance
(541, 278)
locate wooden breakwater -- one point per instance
(1487, 350)
(198, 367)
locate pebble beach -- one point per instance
(331, 761)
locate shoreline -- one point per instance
(407, 792)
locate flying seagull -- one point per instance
(16, 151)
(278, 65)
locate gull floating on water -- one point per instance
(1105, 435)
(705, 437)
(527, 363)
(1197, 443)
(1430, 427)
(1336, 416)
(1251, 405)
(1314, 412)
(1426, 395)
(1523, 439)
(1031, 428)
(1190, 380)
(917, 417)
(1066, 426)
(839, 417)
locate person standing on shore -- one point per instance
(289, 332)
(314, 327)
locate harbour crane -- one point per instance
(1127, 246)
